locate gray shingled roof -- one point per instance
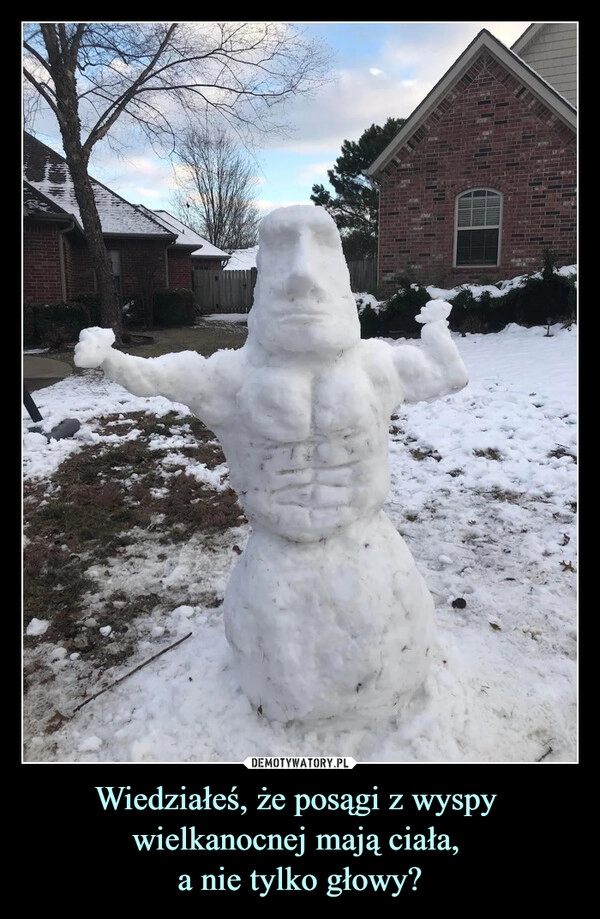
(34, 202)
(185, 236)
(47, 173)
(203, 249)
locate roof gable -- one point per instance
(483, 43)
(527, 37)
(550, 48)
(46, 172)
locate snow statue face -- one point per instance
(302, 299)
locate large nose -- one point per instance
(302, 268)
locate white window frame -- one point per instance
(488, 222)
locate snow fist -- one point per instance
(433, 311)
(93, 347)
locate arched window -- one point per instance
(478, 215)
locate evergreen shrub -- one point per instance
(174, 308)
(53, 325)
(29, 327)
(543, 298)
(397, 314)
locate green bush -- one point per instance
(370, 323)
(467, 313)
(543, 298)
(174, 308)
(539, 300)
(479, 314)
(397, 314)
(56, 324)
(29, 327)
(91, 303)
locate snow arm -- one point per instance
(436, 368)
(185, 377)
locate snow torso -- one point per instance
(308, 448)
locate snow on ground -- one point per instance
(483, 490)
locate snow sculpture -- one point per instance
(325, 611)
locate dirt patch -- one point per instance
(101, 503)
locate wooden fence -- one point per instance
(363, 275)
(224, 291)
(233, 291)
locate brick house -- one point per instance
(149, 250)
(204, 256)
(481, 179)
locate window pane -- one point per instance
(478, 217)
(479, 209)
(115, 258)
(477, 247)
(490, 247)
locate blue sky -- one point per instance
(378, 70)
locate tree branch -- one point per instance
(131, 672)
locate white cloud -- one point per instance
(506, 32)
(138, 179)
(408, 63)
(343, 112)
(314, 171)
(268, 205)
(373, 81)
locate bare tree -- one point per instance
(147, 75)
(216, 185)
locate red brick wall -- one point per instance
(180, 269)
(488, 132)
(41, 264)
(143, 265)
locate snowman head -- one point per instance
(302, 300)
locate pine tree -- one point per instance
(355, 205)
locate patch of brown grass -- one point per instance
(94, 506)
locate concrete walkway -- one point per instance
(40, 371)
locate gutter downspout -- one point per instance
(375, 185)
(61, 258)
